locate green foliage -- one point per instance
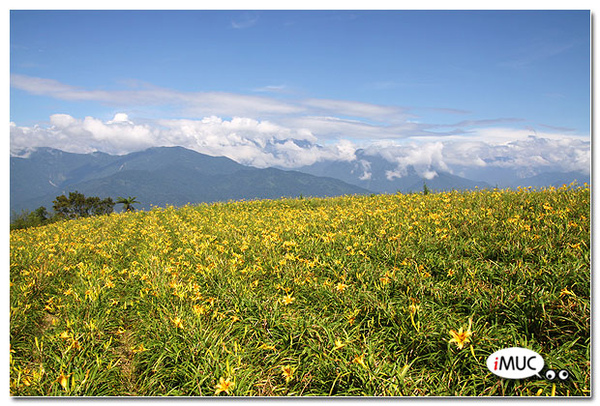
(26, 219)
(127, 203)
(350, 296)
(77, 205)
(426, 190)
(72, 207)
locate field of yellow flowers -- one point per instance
(382, 295)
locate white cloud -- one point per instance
(62, 120)
(267, 131)
(253, 142)
(529, 155)
(272, 89)
(366, 167)
(263, 143)
(325, 118)
(358, 109)
(83, 136)
(120, 118)
(328, 116)
(246, 20)
(358, 130)
(425, 158)
(40, 86)
(429, 174)
(232, 105)
(518, 148)
(198, 104)
(245, 140)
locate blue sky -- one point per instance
(290, 88)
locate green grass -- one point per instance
(356, 295)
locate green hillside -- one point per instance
(386, 295)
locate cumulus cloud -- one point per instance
(86, 135)
(262, 143)
(254, 142)
(529, 155)
(518, 148)
(426, 159)
(245, 140)
(120, 118)
(536, 153)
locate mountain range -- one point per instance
(156, 177)
(174, 175)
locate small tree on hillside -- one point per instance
(127, 203)
(426, 190)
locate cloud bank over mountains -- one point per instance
(265, 130)
(264, 143)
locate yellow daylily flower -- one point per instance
(461, 337)
(338, 344)
(224, 385)
(199, 309)
(360, 359)
(288, 372)
(567, 292)
(288, 300)
(341, 287)
(140, 348)
(177, 322)
(63, 380)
